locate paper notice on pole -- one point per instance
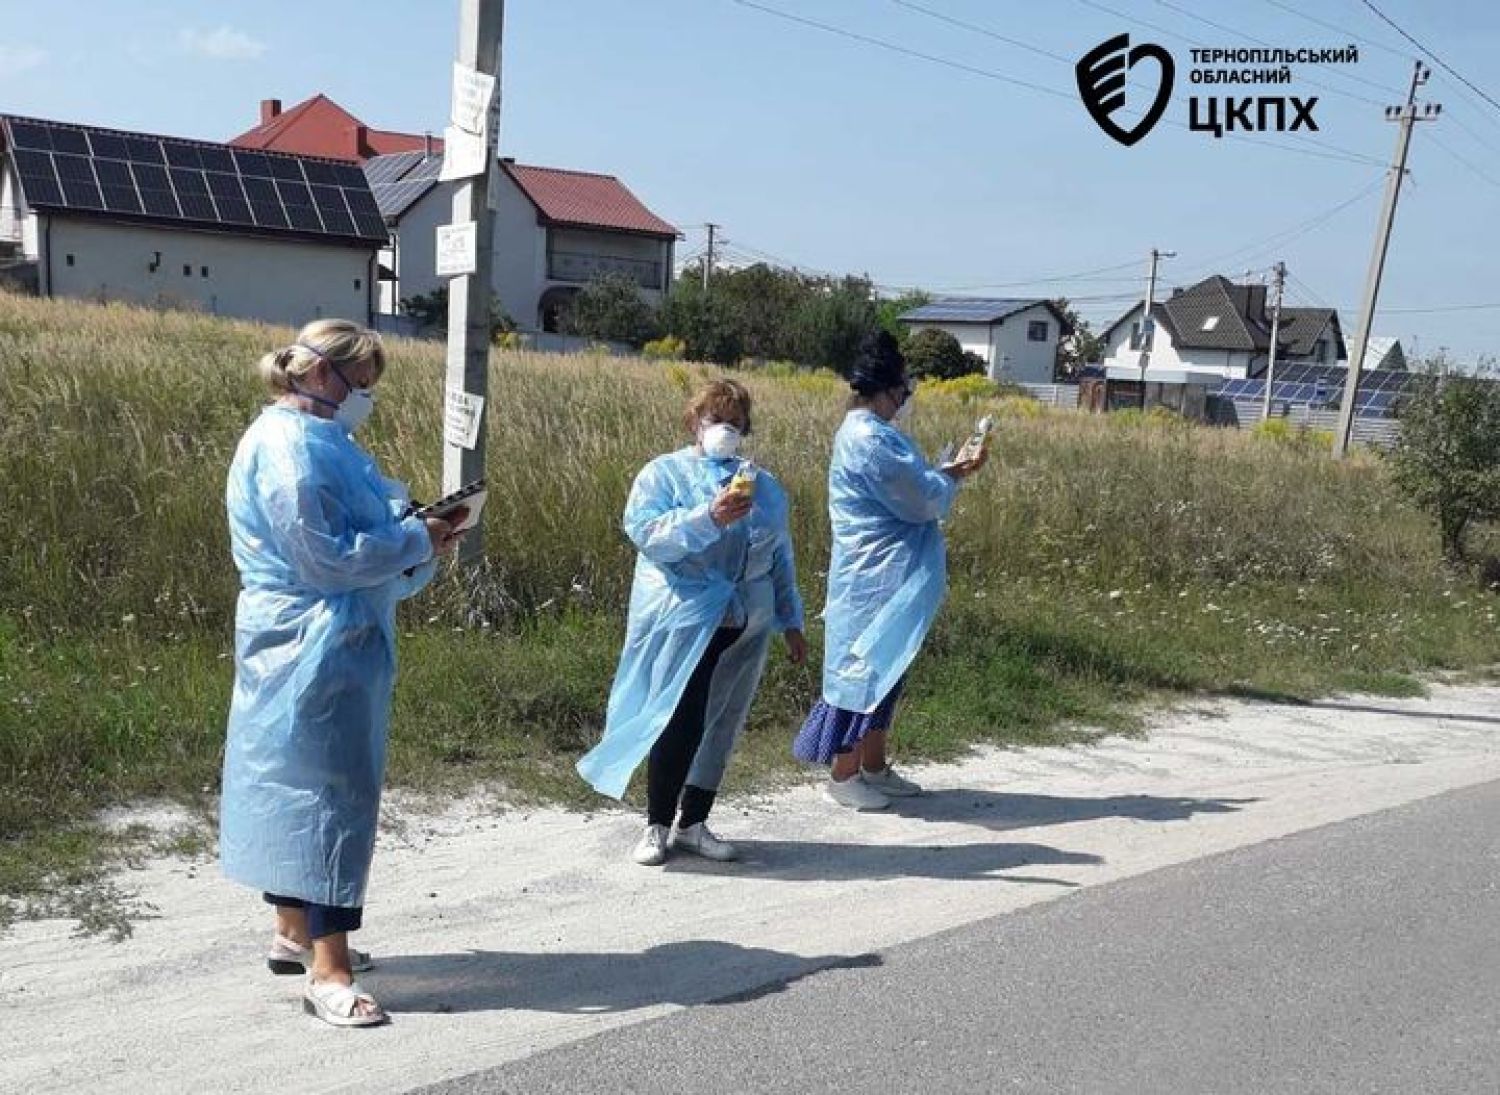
(457, 249)
(473, 93)
(464, 154)
(463, 412)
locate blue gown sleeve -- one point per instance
(906, 485)
(662, 530)
(312, 530)
(784, 581)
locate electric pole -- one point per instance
(708, 258)
(1405, 116)
(1148, 327)
(1265, 412)
(466, 386)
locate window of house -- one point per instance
(203, 270)
(1320, 350)
(1036, 331)
(1135, 336)
(187, 269)
(70, 260)
(1210, 323)
(359, 283)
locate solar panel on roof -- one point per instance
(85, 169)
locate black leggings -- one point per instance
(322, 920)
(672, 755)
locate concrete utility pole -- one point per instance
(479, 35)
(1265, 411)
(708, 258)
(1148, 328)
(1405, 116)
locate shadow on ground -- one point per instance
(827, 861)
(686, 973)
(1000, 811)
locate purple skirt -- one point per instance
(829, 731)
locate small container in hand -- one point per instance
(743, 482)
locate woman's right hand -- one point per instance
(730, 506)
(444, 538)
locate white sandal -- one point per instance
(342, 1005)
(286, 957)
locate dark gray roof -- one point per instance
(970, 310)
(1216, 314)
(106, 173)
(400, 180)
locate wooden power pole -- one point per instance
(1265, 410)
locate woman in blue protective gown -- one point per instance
(886, 579)
(714, 581)
(325, 550)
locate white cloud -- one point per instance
(221, 44)
(15, 60)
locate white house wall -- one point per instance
(249, 277)
(1015, 358)
(520, 267)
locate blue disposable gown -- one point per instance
(692, 577)
(889, 572)
(322, 547)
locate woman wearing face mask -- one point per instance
(714, 580)
(325, 550)
(886, 579)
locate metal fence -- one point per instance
(1377, 433)
(1062, 396)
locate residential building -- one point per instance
(111, 215)
(1216, 331)
(1383, 353)
(1017, 339)
(554, 229)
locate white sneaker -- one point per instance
(652, 850)
(698, 840)
(888, 783)
(854, 793)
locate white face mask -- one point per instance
(720, 441)
(356, 409)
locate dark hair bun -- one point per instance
(879, 365)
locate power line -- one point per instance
(1449, 69)
(1324, 151)
(1466, 163)
(1401, 53)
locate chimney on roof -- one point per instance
(427, 144)
(361, 137)
(270, 110)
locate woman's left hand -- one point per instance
(796, 646)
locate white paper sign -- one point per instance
(461, 417)
(464, 154)
(457, 249)
(473, 94)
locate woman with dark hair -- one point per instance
(886, 579)
(714, 582)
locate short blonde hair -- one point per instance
(343, 343)
(720, 400)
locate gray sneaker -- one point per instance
(700, 841)
(888, 783)
(854, 793)
(652, 850)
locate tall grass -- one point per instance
(1096, 561)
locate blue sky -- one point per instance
(842, 155)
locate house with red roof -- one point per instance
(555, 229)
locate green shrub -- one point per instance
(1448, 457)
(666, 348)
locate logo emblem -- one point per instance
(1101, 82)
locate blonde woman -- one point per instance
(714, 581)
(325, 549)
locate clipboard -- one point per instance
(471, 496)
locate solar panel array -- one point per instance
(400, 179)
(1323, 385)
(81, 169)
(966, 311)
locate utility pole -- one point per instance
(1265, 411)
(708, 258)
(1405, 116)
(1148, 328)
(467, 376)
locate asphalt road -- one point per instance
(1360, 957)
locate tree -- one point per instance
(831, 321)
(1078, 347)
(888, 313)
(704, 322)
(1448, 457)
(932, 354)
(612, 308)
